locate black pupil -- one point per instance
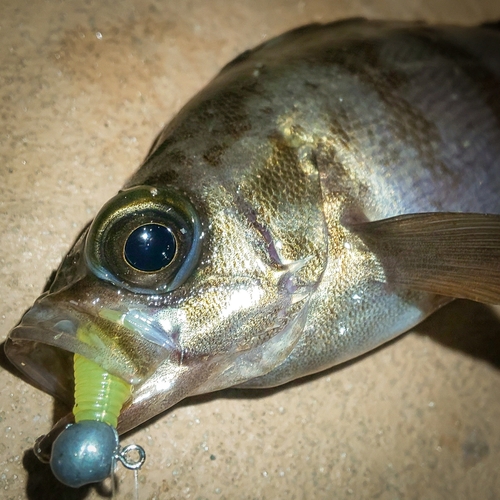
(150, 247)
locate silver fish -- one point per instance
(326, 192)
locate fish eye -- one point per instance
(145, 239)
(150, 247)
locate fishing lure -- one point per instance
(86, 451)
(326, 192)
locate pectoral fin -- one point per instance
(452, 254)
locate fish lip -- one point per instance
(42, 346)
(49, 325)
(43, 354)
(52, 326)
(46, 366)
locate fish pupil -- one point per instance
(150, 247)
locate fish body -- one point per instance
(314, 196)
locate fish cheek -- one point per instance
(224, 314)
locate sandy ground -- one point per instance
(85, 87)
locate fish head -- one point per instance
(179, 292)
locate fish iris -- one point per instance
(150, 247)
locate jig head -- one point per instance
(87, 451)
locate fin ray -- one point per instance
(452, 254)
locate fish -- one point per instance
(323, 194)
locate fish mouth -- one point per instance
(48, 336)
(132, 341)
(43, 345)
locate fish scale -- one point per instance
(326, 192)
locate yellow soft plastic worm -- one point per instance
(86, 451)
(99, 395)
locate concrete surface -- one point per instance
(85, 87)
